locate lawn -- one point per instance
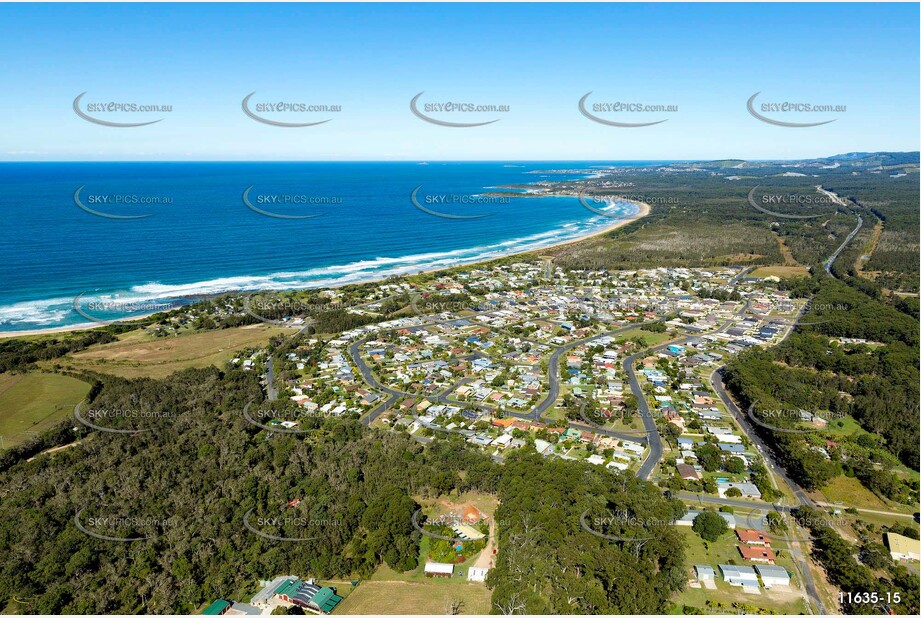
(845, 426)
(390, 592)
(34, 402)
(652, 339)
(138, 354)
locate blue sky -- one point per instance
(538, 59)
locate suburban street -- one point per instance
(653, 439)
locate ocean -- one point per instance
(186, 231)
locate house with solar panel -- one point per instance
(290, 591)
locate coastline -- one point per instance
(643, 210)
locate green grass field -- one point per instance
(850, 492)
(845, 426)
(652, 339)
(390, 592)
(34, 402)
(138, 354)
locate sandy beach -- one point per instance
(644, 209)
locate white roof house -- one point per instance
(773, 575)
(690, 516)
(542, 446)
(595, 459)
(749, 490)
(739, 575)
(502, 441)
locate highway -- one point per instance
(834, 256)
(802, 498)
(716, 381)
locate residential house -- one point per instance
(754, 537)
(688, 473)
(757, 554)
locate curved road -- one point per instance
(649, 422)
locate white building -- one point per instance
(736, 575)
(439, 569)
(773, 575)
(902, 548)
(477, 574)
(690, 516)
(704, 572)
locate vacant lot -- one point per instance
(781, 272)
(35, 401)
(139, 354)
(652, 339)
(409, 597)
(848, 491)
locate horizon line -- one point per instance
(542, 160)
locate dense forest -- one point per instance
(207, 491)
(875, 384)
(549, 564)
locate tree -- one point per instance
(709, 526)
(733, 492)
(709, 456)
(775, 522)
(734, 465)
